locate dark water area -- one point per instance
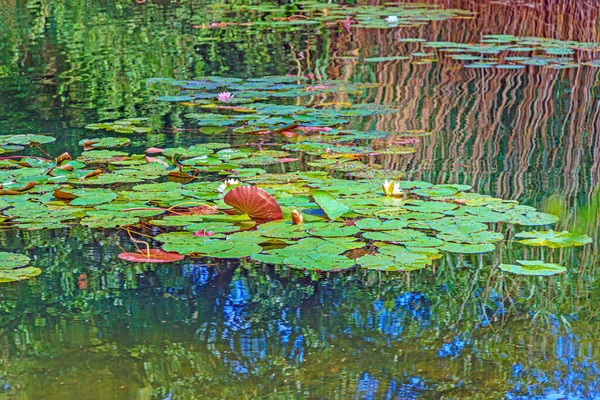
(92, 326)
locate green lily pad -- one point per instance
(374, 224)
(319, 262)
(465, 248)
(240, 250)
(536, 268)
(107, 219)
(429, 206)
(456, 225)
(403, 261)
(282, 230)
(480, 237)
(533, 218)
(384, 59)
(330, 206)
(376, 261)
(399, 235)
(212, 227)
(92, 197)
(553, 239)
(13, 267)
(333, 230)
(189, 244)
(105, 142)
(25, 140)
(440, 190)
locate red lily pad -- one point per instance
(154, 256)
(156, 160)
(287, 160)
(310, 129)
(198, 210)
(259, 205)
(288, 134)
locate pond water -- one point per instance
(92, 326)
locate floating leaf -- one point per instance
(480, 237)
(553, 239)
(403, 261)
(330, 206)
(254, 202)
(152, 256)
(376, 261)
(282, 230)
(375, 224)
(25, 140)
(537, 268)
(105, 142)
(333, 230)
(319, 261)
(384, 59)
(456, 225)
(13, 267)
(399, 235)
(441, 190)
(533, 218)
(468, 248)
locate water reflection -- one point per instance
(193, 329)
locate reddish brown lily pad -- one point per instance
(154, 150)
(287, 160)
(154, 256)
(259, 205)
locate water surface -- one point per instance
(92, 326)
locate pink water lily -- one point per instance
(225, 97)
(204, 233)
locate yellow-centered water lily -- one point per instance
(228, 183)
(390, 188)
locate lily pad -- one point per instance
(333, 230)
(13, 267)
(536, 268)
(25, 140)
(553, 239)
(152, 256)
(375, 224)
(330, 206)
(465, 248)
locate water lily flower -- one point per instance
(226, 184)
(390, 188)
(204, 233)
(225, 97)
(392, 20)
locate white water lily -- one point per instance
(392, 20)
(390, 188)
(226, 184)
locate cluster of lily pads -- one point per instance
(181, 200)
(13, 267)
(500, 51)
(254, 106)
(127, 125)
(258, 105)
(517, 52)
(310, 12)
(223, 201)
(503, 52)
